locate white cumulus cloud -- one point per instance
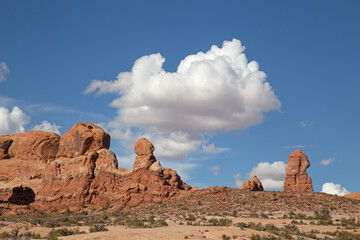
(332, 188)
(13, 121)
(48, 127)
(211, 92)
(326, 162)
(271, 175)
(4, 70)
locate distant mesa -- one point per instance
(46, 171)
(296, 176)
(253, 185)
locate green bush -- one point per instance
(54, 234)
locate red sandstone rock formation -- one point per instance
(49, 172)
(354, 195)
(81, 139)
(296, 177)
(33, 145)
(144, 151)
(253, 185)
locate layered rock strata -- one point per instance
(296, 176)
(52, 172)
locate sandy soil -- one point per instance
(175, 231)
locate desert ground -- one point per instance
(212, 213)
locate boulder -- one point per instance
(81, 139)
(34, 145)
(144, 151)
(296, 176)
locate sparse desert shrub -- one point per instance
(349, 222)
(117, 212)
(344, 235)
(242, 225)
(292, 228)
(255, 237)
(258, 227)
(54, 234)
(98, 228)
(323, 214)
(190, 217)
(224, 237)
(271, 227)
(223, 222)
(234, 213)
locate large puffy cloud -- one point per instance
(271, 175)
(212, 92)
(332, 188)
(13, 121)
(48, 127)
(4, 70)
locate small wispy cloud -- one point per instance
(305, 123)
(4, 70)
(212, 149)
(215, 170)
(297, 146)
(326, 162)
(294, 146)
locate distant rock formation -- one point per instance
(296, 176)
(354, 195)
(46, 171)
(253, 185)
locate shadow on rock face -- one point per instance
(22, 196)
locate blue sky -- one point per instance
(51, 51)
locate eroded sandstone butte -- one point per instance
(46, 171)
(253, 185)
(296, 176)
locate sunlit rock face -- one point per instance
(296, 176)
(46, 171)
